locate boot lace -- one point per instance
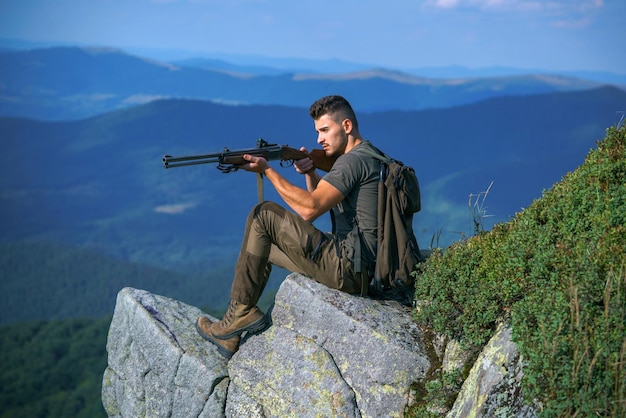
(229, 316)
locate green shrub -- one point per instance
(557, 272)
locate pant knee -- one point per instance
(267, 206)
(261, 210)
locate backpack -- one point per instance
(398, 199)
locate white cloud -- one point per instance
(444, 4)
(579, 6)
(174, 209)
(136, 99)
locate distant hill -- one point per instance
(265, 65)
(48, 281)
(87, 208)
(53, 368)
(257, 65)
(98, 183)
(72, 83)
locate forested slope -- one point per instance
(52, 281)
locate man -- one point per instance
(275, 235)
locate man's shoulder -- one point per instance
(367, 152)
(354, 169)
(359, 155)
(367, 148)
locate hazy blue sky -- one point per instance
(545, 34)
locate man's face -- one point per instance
(331, 136)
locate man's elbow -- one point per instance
(310, 215)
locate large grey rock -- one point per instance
(158, 366)
(376, 345)
(287, 375)
(327, 354)
(493, 387)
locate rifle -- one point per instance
(229, 161)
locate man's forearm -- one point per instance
(312, 179)
(298, 199)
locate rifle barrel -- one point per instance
(171, 162)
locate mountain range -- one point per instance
(72, 83)
(78, 172)
(266, 65)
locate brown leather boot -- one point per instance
(225, 347)
(238, 319)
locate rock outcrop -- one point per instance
(158, 367)
(326, 354)
(492, 388)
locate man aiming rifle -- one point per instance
(277, 236)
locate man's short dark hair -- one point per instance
(336, 106)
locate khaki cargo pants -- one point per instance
(277, 236)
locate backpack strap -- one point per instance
(357, 262)
(378, 154)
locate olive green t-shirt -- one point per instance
(355, 174)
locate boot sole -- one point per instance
(223, 351)
(253, 328)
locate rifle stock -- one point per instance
(228, 161)
(321, 160)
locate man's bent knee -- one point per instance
(267, 206)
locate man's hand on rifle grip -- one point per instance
(304, 165)
(255, 164)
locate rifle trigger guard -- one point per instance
(227, 168)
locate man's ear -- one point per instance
(346, 124)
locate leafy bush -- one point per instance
(557, 272)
